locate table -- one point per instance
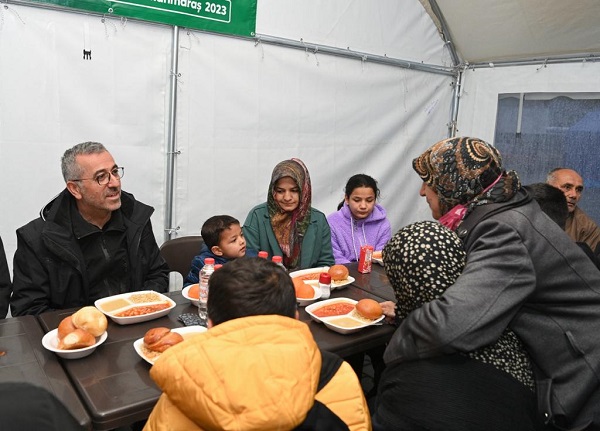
(114, 383)
(27, 361)
(350, 344)
(376, 282)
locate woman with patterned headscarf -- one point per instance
(286, 225)
(490, 388)
(522, 272)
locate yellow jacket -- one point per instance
(253, 373)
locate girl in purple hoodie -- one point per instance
(359, 221)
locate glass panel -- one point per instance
(556, 131)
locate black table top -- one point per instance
(26, 360)
(376, 282)
(114, 382)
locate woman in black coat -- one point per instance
(491, 388)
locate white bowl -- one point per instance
(344, 323)
(50, 342)
(306, 301)
(186, 294)
(185, 332)
(125, 300)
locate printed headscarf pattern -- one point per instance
(421, 261)
(459, 169)
(289, 228)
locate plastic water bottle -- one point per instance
(278, 260)
(325, 285)
(205, 273)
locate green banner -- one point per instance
(237, 17)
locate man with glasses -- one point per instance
(91, 241)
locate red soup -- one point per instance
(335, 309)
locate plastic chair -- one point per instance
(179, 252)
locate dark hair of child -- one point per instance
(214, 226)
(356, 181)
(250, 286)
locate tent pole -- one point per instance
(445, 32)
(348, 53)
(452, 126)
(171, 139)
(542, 62)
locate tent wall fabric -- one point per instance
(242, 106)
(51, 98)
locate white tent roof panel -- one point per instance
(494, 30)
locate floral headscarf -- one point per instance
(289, 228)
(460, 169)
(421, 261)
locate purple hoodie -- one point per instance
(348, 235)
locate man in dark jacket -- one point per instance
(91, 241)
(5, 286)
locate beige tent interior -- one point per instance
(199, 119)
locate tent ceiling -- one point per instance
(510, 30)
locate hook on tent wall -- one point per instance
(258, 42)
(544, 64)
(13, 11)
(172, 230)
(190, 34)
(87, 50)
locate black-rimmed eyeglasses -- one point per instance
(103, 178)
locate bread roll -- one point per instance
(91, 319)
(65, 327)
(77, 339)
(160, 339)
(338, 272)
(369, 309)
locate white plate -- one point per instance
(124, 299)
(378, 260)
(315, 282)
(186, 294)
(185, 333)
(302, 302)
(354, 324)
(50, 342)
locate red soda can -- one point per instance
(366, 257)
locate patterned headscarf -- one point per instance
(459, 170)
(289, 228)
(421, 261)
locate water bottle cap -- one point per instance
(218, 265)
(325, 278)
(277, 259)
(209, 261)
(263, 254)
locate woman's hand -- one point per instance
(389, 310)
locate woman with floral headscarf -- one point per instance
(286, 225)
(490, 388)
(522, 272)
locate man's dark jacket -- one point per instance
(49, 265)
